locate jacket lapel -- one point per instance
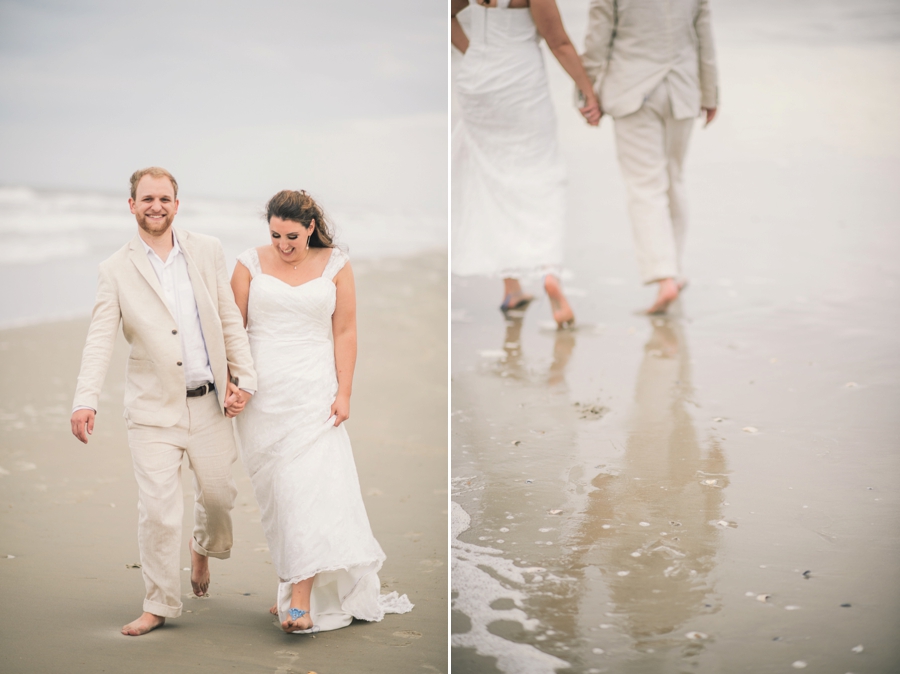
(205, 307)
(138, 256)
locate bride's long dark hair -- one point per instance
(300, 207)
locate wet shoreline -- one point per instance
(673, 480)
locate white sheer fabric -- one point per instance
(301, 466)
(508, 179)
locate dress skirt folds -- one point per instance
(508, 179)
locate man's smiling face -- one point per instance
(154, 205)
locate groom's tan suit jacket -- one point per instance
(129, 292)
(633, 45)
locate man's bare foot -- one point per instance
(199, 572)
(146, 623)
(302, 623)
(562, 312)
(668, 293)
(274, 609)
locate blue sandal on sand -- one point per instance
(523, 301)
(296, 614)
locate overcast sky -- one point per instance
(237, 99)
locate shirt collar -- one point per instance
(176, 249)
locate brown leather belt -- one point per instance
(200, 390)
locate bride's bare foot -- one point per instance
(146, 623)
(562, 312)
(668, 293)
(199, 572)
(300, 624)
(274, 609)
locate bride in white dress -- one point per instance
(298, 301)
(508, 180)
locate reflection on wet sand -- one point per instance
(514, 365)
(596, 570)
(646, 545)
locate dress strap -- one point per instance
(250, 259)
(335, 263)
(503, 4)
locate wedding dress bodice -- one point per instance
(293, 351)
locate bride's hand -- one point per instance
(340, 409)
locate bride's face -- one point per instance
(289, 238)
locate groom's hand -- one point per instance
(235, 400)
(83, 424)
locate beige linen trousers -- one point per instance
(163, 423)
(653, 66)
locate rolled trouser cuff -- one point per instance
(199, 549)
(162, 610)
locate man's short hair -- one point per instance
(154, 171)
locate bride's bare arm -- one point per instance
(240, 286)
(549, 24)
(457, 35)
(343, 325)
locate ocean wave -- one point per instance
(90, 221)
(482, 576)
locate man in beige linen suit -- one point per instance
(653, 66)
(171, 292)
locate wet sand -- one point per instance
(69, 511)
(713, 491)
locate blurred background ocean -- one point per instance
(238, 101)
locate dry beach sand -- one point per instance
(715, 491)
(68, 522)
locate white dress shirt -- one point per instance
(179, 294)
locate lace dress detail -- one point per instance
(508, 178)
(301, 466)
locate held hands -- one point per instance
(591, 110)
(235, 400)
(83, 424)
(340, 409)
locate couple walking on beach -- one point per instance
(649, 64)
(276, 348)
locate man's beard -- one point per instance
(154, 229)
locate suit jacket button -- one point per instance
(178, 363)
(174, 332)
